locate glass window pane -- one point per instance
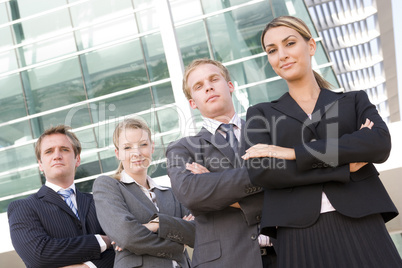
(147, 19)
(114, 69)
(108, 160)
(20, 181)
(108, 31)
(75, 117)
(3, 13)
(15, 158)
(54, 85)
(185, 9)
(6, 39)
(265, 92)
(90, 164)
(48, 49)
(167, 120)
(251, 71)
(320, 56)
(29, 7)
(15, 134)
(92, 12)
(155, 57)
(12, 104)
(328, 74)
(192, 39)
(213, 5)
(8, 61)
(40, 27)
(235, 34)
(162, 94)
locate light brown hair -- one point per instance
(299, 26)
(128, 123)
(193, 65)
(60, 129)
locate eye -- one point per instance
(291, 43)
(127, 148)
(144, 144)
(215, 79)
(271, 51)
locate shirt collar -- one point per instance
(152, 184)
(57, 188)
(212, 125)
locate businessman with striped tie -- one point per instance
(57, 226)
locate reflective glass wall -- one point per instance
(90, 63)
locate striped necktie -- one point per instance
(66, 194)
(230, 136)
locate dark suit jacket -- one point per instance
(46, 233)
(123, 208)
(225, 236)
(324, 148)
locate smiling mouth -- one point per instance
(287, 65)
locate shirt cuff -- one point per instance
(102, 243)
(90, 264)
(264, 241)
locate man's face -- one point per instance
(57, 159)
(210, 92)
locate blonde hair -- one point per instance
(299, 26)
(60, 129)
(193, 65)
(128, 123)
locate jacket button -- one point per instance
(313, 140)
(253, 237)
(258, 218)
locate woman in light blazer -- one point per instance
(312, 150)
(148, 225)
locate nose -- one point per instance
(135, 152)
(282, 54)
(57, 154)
(208, 86)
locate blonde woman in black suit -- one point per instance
(312, 150)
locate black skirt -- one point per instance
(338, 241)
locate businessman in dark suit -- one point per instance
(53, 230)
(208, 177)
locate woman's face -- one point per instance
(288, 52)
(135, 150)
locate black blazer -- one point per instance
(46, 233)
(324, 146)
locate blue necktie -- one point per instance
(66, 194)
(230, 136)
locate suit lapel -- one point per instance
(288, 106)
(325, 102)
(48, 195)
(83, 203)
(139, 194)
(219, 142)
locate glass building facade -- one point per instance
(88, 64)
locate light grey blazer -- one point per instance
(123, 208)
(225, 236)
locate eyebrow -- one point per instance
(283, 40)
